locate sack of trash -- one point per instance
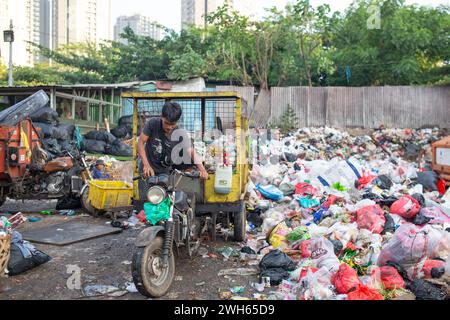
(93, 146)
(118, 148)
(101, 136)
(276, 266)
(123, 131)
(24, 256)
(45, 115)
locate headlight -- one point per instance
(156, 195)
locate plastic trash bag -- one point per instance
(101, 136)
(371, 218)
(46, 130)
(287, 189)
(277, 259)
(437, 215)
(276, 275)
(389, 278)
(278, 235)
(93, 146)
(45, 115)
(317, 285)
(412, 244)
(345, 172)
(308, 203)
(433, 269)
(406, 207)
(428, 180)
(322, 254)
(304, 188)
(424, 290)
(120, 149)
(365, 293)
(383, 182)
(24, 256)
(270, 192)
(389, 225)
(345, 279)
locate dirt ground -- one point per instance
(106, 261)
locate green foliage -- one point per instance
(289, 47)
(288, 121)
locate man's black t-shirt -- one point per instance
(159, 147)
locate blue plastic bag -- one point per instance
(270, 192)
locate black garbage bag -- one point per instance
(412, 151)
(383, 182)
(120, 149)
(101, 136)
(389, 225)
(126, 120)
(24, 256)
(51, 145)
(420, 198)
(45, 115)
(46, 130)
(436, 273)
(387, 201)
(277, 259)
(69, 129)
(401, 271)
(68, 204)
(424, 290)
(60, 133)
(248, 250)
(290, 157)
(338, 246)
(93, 146)
(123, 132)
(255, 218)
(420, 219)
(69, 146)
(276, 275)
(428, 180)
(371, 196)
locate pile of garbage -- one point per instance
(103, 142)
(56, 138)
(339, 217)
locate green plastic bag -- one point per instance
(157, 213)
(298, 234)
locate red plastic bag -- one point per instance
(330, 201)
(430, 265)
(304, 188)
(406, 206)
(345, 279)
(305, 249)
(441, 186)
(365, 293)
(390, 278)
(371, 218)
(142, 217)
(365, 180)
(305, 270)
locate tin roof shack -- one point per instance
(86, 105)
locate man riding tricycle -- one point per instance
(181, 199)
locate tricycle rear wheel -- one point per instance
(87, 206)
(240, 224)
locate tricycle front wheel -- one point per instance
(149, 276)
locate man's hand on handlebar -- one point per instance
(148, 171)
(204, 174)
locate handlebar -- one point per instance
(191, 175)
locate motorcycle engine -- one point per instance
(55, 183)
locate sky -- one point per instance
(168, 12)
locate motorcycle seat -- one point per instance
(59, 164)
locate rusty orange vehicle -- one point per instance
(26, 171)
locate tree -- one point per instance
(186, 65)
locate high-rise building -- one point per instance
(77, 21)
(193, 11)
(141, 25)
(30, 24)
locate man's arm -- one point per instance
(148, 170)
(198, 162)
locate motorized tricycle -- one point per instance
(171, 213)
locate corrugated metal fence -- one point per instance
(365, 107)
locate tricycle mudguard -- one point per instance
(148, 235)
